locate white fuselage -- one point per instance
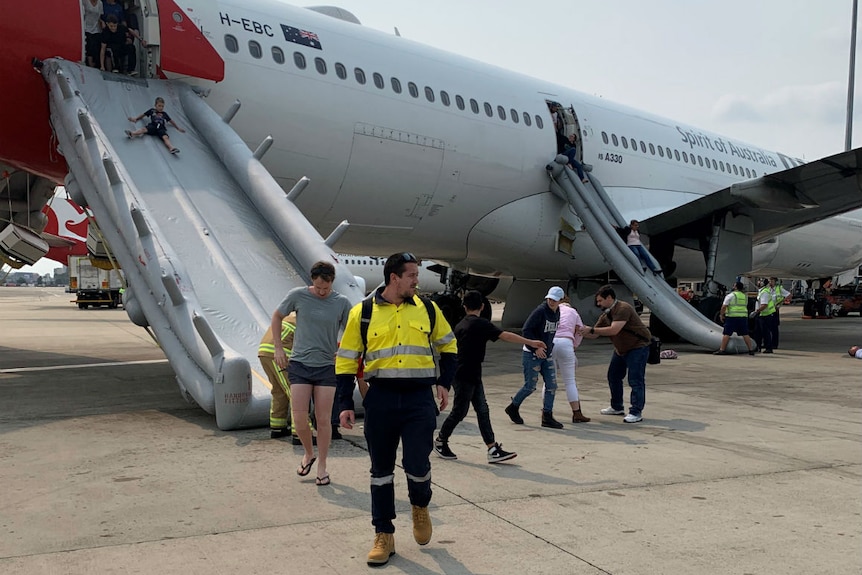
(412, 170)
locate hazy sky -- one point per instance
(772, 73)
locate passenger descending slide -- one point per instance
(208, 241)
(600, 215)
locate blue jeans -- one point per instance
(579, 168)
(643, 256)
(533, 366)
(633, 362)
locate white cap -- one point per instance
(556, 293)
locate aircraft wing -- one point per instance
(776, 202)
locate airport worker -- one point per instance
(157, 126)
(765, 314)
(566, 341)
(631, 339)
(541, 324)
(320, 313)
(779, 295)
(397, 345)
(734, 314)
(279, 409)
(632, 237)
(855, 351)
(473, 333)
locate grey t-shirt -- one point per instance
(317, 325)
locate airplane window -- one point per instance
(676, 154)
(254, 49)
(634, 145)
(414, 91)
(605, 137)
(278, 55)
(340, 70)
(514, 115)
(539, 123)
(429, 94)
(527, 119)
(396, 85)
(474, 105)
(299, 60)
(721, 165)
(615, 140)
(735, 170)
(488, 110)
(714, 165)
(444, 97)
(231, 43)
(459, 101)
(652, 149)
(320, 64)
(359, 73)
(378, 80)
(667, 151)
(625, 142)
(747, 172)
(700, 161)
(643, 147)
(661, 151)
(685, 157)
(501, 111)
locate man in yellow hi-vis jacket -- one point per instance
(280, 406)
(398, 342)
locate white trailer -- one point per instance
(93, 286)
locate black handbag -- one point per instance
(654, 351)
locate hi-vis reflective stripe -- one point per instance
(385, 480)
(401, 372)
(426, 477)
(398, 350)
(348, 353)
(266, 348)
(445, 339)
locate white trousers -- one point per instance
(565, 362)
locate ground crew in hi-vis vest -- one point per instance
(765, 318)
(734, 314)
(279, 410)
(398, 349)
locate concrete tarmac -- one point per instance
(742, 465)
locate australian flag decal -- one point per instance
(302, 37)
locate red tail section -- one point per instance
(185, 49)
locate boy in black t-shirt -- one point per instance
(473, 333)
(157, 126)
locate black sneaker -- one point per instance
(278, 433)
(442, 449)
(497, 455)
(514, 414)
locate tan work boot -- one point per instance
(384, 548)
(421, 525)
(578, 417)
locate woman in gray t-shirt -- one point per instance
(320, 314)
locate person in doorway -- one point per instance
(113, 50)
(112, 8)
(398, 345)
(632, 237)
(133, 34)
(566, 341)
(157, 126)
(320, 313)
(570, 150)
(631, 339)
(473, 333)
(279, 410)
(92, 30)
(734, 314)
(541, 325)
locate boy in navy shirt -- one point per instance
(158, 125)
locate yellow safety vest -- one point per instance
(267, 347)
(770, 306)
(400, 341)
(739, 306)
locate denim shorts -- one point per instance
(301, 374)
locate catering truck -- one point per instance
(92, 285)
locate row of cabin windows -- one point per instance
(256, 51)
(665, 152)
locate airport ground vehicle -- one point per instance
(92, 285)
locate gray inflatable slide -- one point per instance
(207, 240)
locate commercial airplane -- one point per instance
(418, 149)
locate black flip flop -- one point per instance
(305, 469)
(321, 481)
